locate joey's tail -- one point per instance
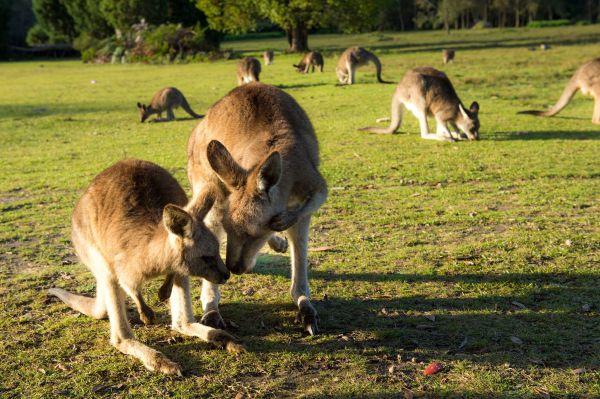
(93, 307)
(186, 107)
(564, 99)
(377, 63)
(397, 111)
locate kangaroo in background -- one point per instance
(132, 224)
(427, 91)
(448, 55)
(248, 70)
(587, 79)
(268, 57)
(257, 149)
(165, 100)
(351, 59)
(312, 59)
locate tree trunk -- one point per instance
(298, 38)
(517, 13)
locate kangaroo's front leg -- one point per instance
(307, 315)
(184, 322)
(210, 297)
(121, 336)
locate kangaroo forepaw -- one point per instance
(283, 221)
(308, 317)
(278, 244)
(213, 319)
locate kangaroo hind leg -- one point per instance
(596, 114)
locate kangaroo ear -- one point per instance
(463, 112)
(139, 105)
(203, 204)
(225, 166)
(474, 108)
(177, 221)
(269, 172)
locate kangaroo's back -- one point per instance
(248, 70)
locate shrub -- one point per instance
(546, 24)
(37, 35)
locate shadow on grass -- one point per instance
(300, 85)
(547, 135)
(63, 109)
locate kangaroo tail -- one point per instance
(397, 111)
(186, 107)
(93, 307)
(377, 63)
(564, 99)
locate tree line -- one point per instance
(85, 22)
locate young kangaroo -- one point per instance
(130, 225)
(312, 59)
(448, 55)
(248, 70)
(268, 57)
(427, 91)
(353, 58)
(586, 79)
(257, 147)
(165, 100)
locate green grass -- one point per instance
(459, 231)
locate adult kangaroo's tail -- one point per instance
(564, 99)
(397, 111)
(377, 63)
(186, 107)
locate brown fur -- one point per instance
(353, 58)
(310, 60)
(428, 92)
(448, 55)
(587, 79)
(268, 57)
(248, 70)
(165, 100)
(130, 226)
(257, 148)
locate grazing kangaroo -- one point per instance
(312, 59)
(448, 55)
(586, 79)
(427, 91)
(165, 100)
(130, 225)
(258, 150)
(268, 57)
(353, 58)
(248, 70)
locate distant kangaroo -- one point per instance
(312, 59)
(165, 100)
(257, 147)
(130, 225)
(268, 57)
(353, 58)
(448, 55)
(427, 91)
(586, 79)
(248, 70)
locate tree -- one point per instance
(87, 18)
(4, 26)
(121, 14)
(54, 19)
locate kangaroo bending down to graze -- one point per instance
(130, 225)
(268, 57)
(248, 70)
(258, 149)
(586, 79)
(448, 55)
(165, 100)
(428, 92)
(353, 58)
(312, 59)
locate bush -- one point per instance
(37, 35)
(547, 24)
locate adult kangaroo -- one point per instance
(353, 58)
(587, 79)
(257, 149)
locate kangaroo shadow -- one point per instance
(547, 135)
(299, 85)
(44, 110)
(177, 119)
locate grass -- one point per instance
(438, 251)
